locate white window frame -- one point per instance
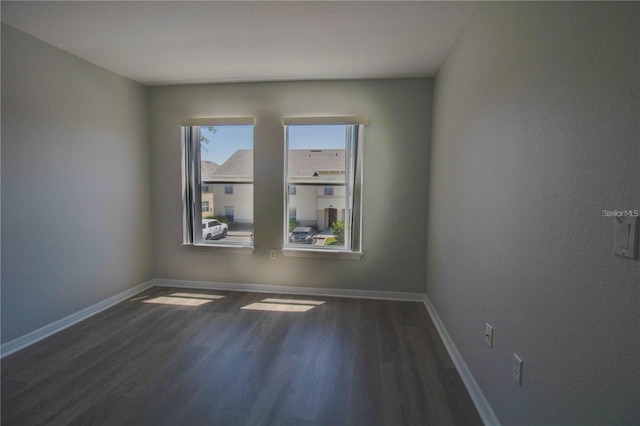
(353, 189)
(192, 182)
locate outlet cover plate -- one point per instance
(517, 369)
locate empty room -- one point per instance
(320, 213)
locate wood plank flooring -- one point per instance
(342, 362)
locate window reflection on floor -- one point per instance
(283, 305)
(184, 299)
(198, 295)
(180, 301)
(198, 299)
(295, 301)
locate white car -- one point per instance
(213, 229)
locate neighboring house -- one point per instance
(231, 187)
(315, 186)
(206, 171)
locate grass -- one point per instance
(331, 241)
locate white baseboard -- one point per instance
(50, 329)
(481, 403)
(283, 289)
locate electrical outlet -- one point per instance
(488, 335)
(273, 253)
(517, 369)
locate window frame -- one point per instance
(192, 182)
(353, 193)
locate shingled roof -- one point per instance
(305, 165)
(316, 165)
(207, 168)
(237, 168)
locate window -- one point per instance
(228, 212)
(218, 160)
(324, 164)
(292, 190)
(292, 213)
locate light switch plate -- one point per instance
(488, 335)
(626, 236)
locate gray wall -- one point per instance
(75, 184)
(395, 196)
(536, 130)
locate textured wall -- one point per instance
(396, 146)
(75, 184)
(536, 130)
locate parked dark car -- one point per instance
(303, 235)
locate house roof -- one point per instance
(317, 165)
(237, 168)
(207, 168)
(306, 162)
(305, 165)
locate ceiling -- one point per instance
(178, 42)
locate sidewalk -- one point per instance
(239, 233)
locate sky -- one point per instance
(227, 139)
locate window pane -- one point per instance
(316, 168)
(226, 172)
(325, 215)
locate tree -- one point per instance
(337, 228)
(221, 219)
(205, 140)
(292, 224)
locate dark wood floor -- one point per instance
(344, 362)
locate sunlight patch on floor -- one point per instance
(277, 307)
(179, 301)
(284, 305)
(295, 301)
(198, 295)
(185, 299)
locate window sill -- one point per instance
(321, 254)
(226, 248)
